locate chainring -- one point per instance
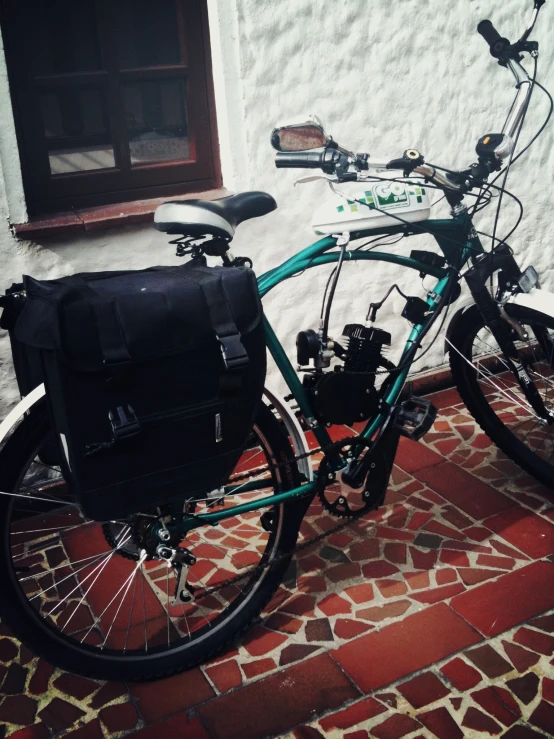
(342, 500)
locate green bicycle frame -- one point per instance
(458, 242)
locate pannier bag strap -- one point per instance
(234, 353)
(110, 334)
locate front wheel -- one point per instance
(95, 599)
(493, 395)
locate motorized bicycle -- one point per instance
(103, 599)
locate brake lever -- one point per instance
(314, 177)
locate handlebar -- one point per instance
(496, 42)
(342, 166)
(300, 159)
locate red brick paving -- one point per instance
(404, 647)
(279, 702)
(432, 618)
(496, 606)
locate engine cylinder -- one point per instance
(363, 347)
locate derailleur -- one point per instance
(181, 560)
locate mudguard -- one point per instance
(538, 300)
(294, 430)
(452, 324)
(541, 301)
(20, 409)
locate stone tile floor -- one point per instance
(433, 617)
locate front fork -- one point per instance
(476, 278)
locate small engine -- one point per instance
(347, 393)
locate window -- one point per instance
(112, 99)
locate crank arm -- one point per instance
(386, 444)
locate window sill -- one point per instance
(86, 220)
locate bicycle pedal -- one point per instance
(414, 417)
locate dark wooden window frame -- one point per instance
(46, 193)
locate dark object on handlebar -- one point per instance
(501, 48)
(329, 159)
(408, 162)
(487, 145)
(497, 44)
(300, 159)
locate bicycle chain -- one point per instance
(335, 446)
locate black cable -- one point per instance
(325, 293)
(502, 189)
(483, 198)
(408, 362)
(541, 129)
(336, 272)
(509, 113)
(379, 243)
(489, 236)
(416, 359)
(415, 226)
(519, 218)
(518, 221)
(476, 208)
(525, 148)
(528, 145)
(298, 274)
(406, 181)
(374, 307)
(376, 241)
(510, 160)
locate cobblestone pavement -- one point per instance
(433, 617)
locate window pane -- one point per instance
(77, 131)
(68, 38)
(157, 121)
(147, 33)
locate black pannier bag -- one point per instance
(27, 361)
(153, 379)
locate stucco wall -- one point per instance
(383, 76)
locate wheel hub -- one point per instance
(143, 532)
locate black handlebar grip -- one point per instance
(496, 42)
(300, 159)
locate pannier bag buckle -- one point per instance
(124, 423)
(234, 353)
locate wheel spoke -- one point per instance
(130, 581)
(501, 391)
(100, 587)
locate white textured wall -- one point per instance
(384, 75)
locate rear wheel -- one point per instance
(96, 599)
(493, 395)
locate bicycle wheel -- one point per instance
(492, 394)
(82, 595)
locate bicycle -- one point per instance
(165, 589)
